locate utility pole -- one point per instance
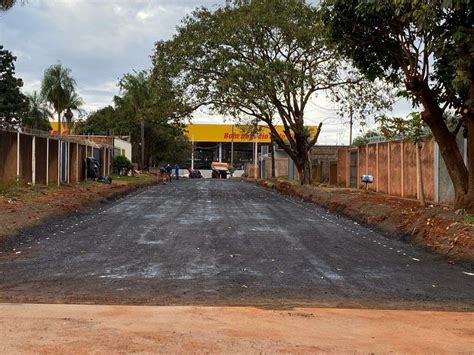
(256, 153)
(142, 133)
(351, 123)
(232, 149)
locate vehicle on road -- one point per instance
(220, 170)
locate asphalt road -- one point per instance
(216, 242)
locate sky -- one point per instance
(100, 40)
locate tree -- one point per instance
(163, 140)
(100, 122)
(73, 102)
(365, 138)
(57, 89)
(137, 93)
(260, 60)
(38, 113)
(6, 4)
(426, 46)
(13, 104)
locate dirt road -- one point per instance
(72, 329)
(211, 242)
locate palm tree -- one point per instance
(57, 87)
(38, 113)
(137, 94)
(73, 102)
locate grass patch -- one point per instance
(9, 189)
(16, 189)
(469, 218)
(138, 178)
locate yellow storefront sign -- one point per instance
(236, 133)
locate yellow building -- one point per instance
(230, 143)
(54, 127)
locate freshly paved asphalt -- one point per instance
(216, 242)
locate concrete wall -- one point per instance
(394, 168)
(40, 160)
(26, 146)
(410, 181)
(428, 164)
(444, 192)
(42, 167)
(8, 147)
(96, 139)
(81, 162)
(382, 168)
(343, 167)
(321, 158)
(281, 167)
(124, 147)
(53, 161)
(249, 170)
(73, 163)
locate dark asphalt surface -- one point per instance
(215, 242)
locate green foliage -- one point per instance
(58, 88)
(73, 103)
(426, 45)
(101, 122)
(38, 113)
(6, 4)
(172, 148)
(13, 104)
(121, 165)
(139, 102)
(469, 218)
(412, 128)
(137, 94)
(364, 138)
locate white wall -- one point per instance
(124, 146)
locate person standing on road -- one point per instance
(169, 170)
(176, 171)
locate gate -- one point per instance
(353, 167)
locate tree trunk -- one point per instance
(433, 116)
(301, 163)
(420, 174)
(453, 159)
(142, 151)
(469, 198)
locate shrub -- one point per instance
(122, 165)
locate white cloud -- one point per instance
(100, 40)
